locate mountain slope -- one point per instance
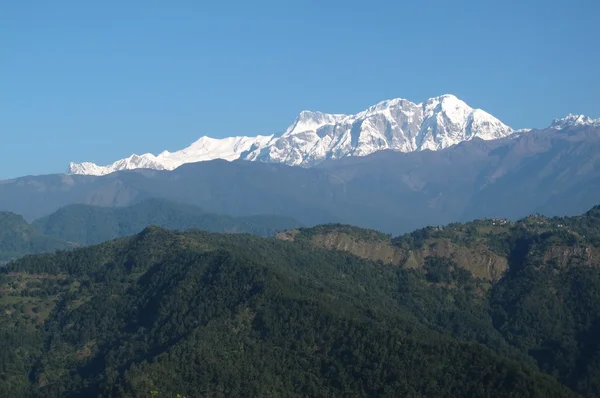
(543, 295)
(555, 172)
(235, 315)
(80, 225)
(396, 124)
(92, 224)
(18, 238)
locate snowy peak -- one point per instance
(386, 106)
(207, 148)
(85, 168)
(572, 120)
(203, 149)
(449, 120)
(146, 161)
(447, 103)
(396, 124)
(310, 121)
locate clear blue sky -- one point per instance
(97, 81)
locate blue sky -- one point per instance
(97, 81)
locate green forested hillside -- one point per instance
(211, 315)
(79, 225)
(92, 224)
(18, 238)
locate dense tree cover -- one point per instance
(368, 235)
(586, 225)
(77, 225)
(92, 224)
(221, 315)
(18, 238)
(500, 235)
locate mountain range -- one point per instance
(397, 124)
(313, 137)
(552, 171)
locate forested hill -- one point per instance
(17, 238)
(93, 224)
(484, 247)
(203, 314)
(78, 225)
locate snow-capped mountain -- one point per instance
(396, 124)
(574, 120)
(206, 148)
